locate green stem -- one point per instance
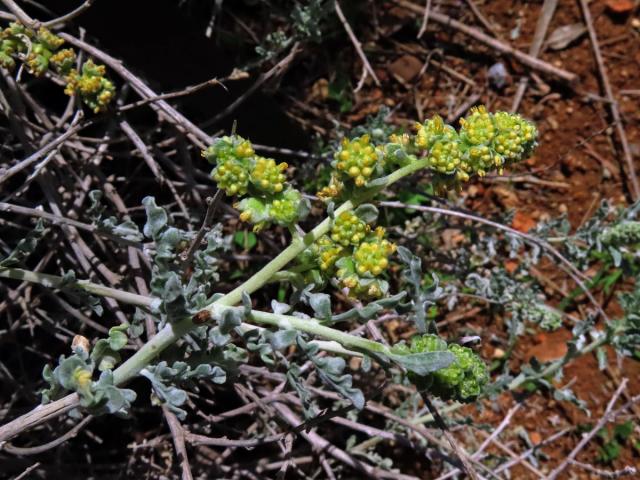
(313, 327)
(297, 246)
(172, 332)
(338, 340)
(164, 338)
(54, 281)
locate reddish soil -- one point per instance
(579, 162)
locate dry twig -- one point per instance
(356, 43)
(606, 418)
(613, 105)
(528, 60)
(548, 9)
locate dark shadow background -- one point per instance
(164, 43)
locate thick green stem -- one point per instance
(313, 327)
(172, 332)
(54, 281)
(338, 340)
(150, 350)
(278, 263)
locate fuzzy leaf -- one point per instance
(424, 363)
(367, 212)
(330, 371)
(157, 218)
(321, 305)
(25, 246)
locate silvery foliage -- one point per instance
(308, 22)
(25, 247)
(595, 238)
(180, 299)
(609, 238)
(518, 295)
(421, 298)
(184, 290)
(126, 229)
(96, 396)
(627, 342)
(209, 348)
(330, 370)
(78, 295)
(163, 379)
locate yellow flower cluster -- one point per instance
(239, 171)
(268, 176)
(486, 141)
(41, 50)
(348, 229)
(95, 90)
(357, 160)
(355, 256)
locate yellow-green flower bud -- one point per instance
(431, 131)
(371, 258)
(287, 207)
(445, 155)
(327, 253)
(231, 176)
(462, 380)
(63, 60)
(38, 60)
(348, 229)
(477, 128)
(357, 160)
(332, 190)
(268, 176)
(82, 379)
(48, 40)
(95, 90)
(515, 138)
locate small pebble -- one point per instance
(498, 75)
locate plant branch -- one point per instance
(613, 104)
(69, 16)
(525, 59)
(21, 15)
(356, 43)
(54, 281)
(587, 438)
(571, 270)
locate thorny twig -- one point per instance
(356, 43)
(606, 418)
(501, 47)
(613, 105)
(469, 470)
(212, 205)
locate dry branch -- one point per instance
(531, 62)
